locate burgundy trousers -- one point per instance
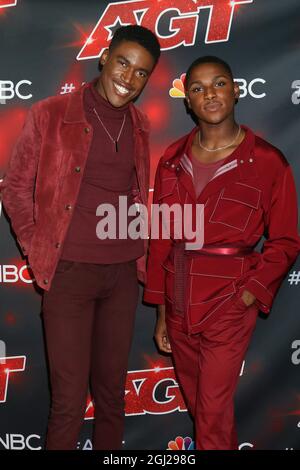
(89, 319)
(208, 367)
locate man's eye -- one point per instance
(142, 74)
(197, 89)
(220, 83)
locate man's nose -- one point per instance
(210, 93)
(127, 76)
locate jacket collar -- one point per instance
(75, 110)
(239, 165)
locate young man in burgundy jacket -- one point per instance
(77, 151)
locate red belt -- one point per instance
(181, 255)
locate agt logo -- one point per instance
(253, 88)
(8, 90)
(151, 391)
(296, 93)
(9, 365)
(6, 3)
(182, 19)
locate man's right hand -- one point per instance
(160, 333)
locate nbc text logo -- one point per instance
(8, 90)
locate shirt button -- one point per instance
(68, 207)
(241, 161)
(172, 166)
(250, 160)
(167, 163)
(45, 281)
(86, 130)
(57, 245)
(77, 169)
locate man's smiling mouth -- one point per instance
(121, 89)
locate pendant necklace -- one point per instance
(114, 141)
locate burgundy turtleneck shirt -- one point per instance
(108, 174)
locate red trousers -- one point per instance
(89, 318)
(208, 366)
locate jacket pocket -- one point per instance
(212, 279)
(64, 266)
(208, 278)
(212, 284)
(235, 206)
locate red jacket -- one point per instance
(251, 195)
(42, 183)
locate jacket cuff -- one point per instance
(154, 297)
(264, 298)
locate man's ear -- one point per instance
(236, 92)
(188, 101)
(104, 56)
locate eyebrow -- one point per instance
(128, 62)
(215, 78)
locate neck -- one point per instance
(216, 135)
(100, 90)
(102, 100)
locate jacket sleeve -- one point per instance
(159, 249)
(282, 243)
(18, 185)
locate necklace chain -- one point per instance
(114, 141)
(219, 148)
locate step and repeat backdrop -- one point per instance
(52, 47)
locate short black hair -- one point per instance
(207, 59)
(139, 34)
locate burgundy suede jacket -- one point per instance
(42, 183)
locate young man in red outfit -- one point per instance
(208, 299)
(76, 152)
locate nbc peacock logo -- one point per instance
(181, 443)
(177, 90)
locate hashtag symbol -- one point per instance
(67, 88)
(294, 278)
